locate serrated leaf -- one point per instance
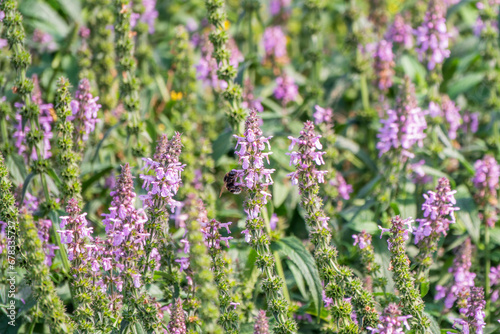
(434, 327)
(139, 329)
(298, 277)
(298, 254)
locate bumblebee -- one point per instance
(229, 183)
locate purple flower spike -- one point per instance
(486, 183)
(486, 178)
(384, 64)
(404, 126)
(261, 326)
(177, 324)
(473, 312)
(84, 108)
(439, 208)
(391, 321)
(323, 115)
(306, 158)
(463, 278)
(400, 33)
(274, 42)
(432, 36)
(286, 89)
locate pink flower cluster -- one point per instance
(384, 64)
(84, 108)
(463, 277)
(400, 32)
(286, 90)
(253, 176)
(432, 36)
(391, 322)
(306, 157)
(323, 115)
(45, 121)
(404, 126)
(439, 208)
(274, 42)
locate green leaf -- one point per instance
(280, 193)
(407, 206)
(468, 213)
(72, 8)
(299, 278)
(434, 327)
(139, 329)
(424, 289)
(465, 83)
(124, 326)
(53, 175)
(495, 235)
(25, 185)
(298, 254)
(412, 67)
(94, 178)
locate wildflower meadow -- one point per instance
(253, 166)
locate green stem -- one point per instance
(364, 92)
(281, 274)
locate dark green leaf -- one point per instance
(424, 289)
(298, 254)
(26, 184)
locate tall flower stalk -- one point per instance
(84, 114)
(129, 82)
(215, 241)
(339, 281)
(412, 303)
(77, 235)
(439, 208)
(101, 43)
(162, 181)
(371, 269)
(49, 305)
(216, 15)
(119, 258)
(486, 184)
(205, 292)
(256, 179)
(67, 159)
(30, 111)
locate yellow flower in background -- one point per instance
(227, 25)
(175, 96)
(394, 6)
